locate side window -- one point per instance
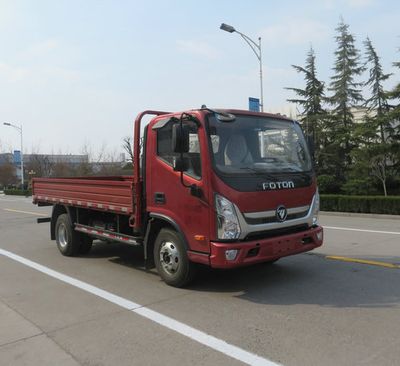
(164, 143)
(164, 148)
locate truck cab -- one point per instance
(238, 187)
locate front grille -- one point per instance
(297, 215)
(273, 219)
(277, 232)
(261, 220)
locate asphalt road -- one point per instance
(303, 310)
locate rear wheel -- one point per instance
(171, 259)
(67, 239)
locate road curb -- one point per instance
(356, 214)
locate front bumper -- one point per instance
(265, 250)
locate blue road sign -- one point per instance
(17, 157)
(254, 104)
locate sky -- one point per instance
(76, 73)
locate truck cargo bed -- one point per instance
(112, 194)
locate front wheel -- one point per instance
(171, 259)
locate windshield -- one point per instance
(258, 145)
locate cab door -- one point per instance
(165, 193)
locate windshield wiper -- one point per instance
(293, 170)
(258, 172)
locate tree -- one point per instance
(310, 99)
(7, 174)
(379, 169)
(378, 135)
(62, 169)
(374, 155)
(40, 164)
(394, 114)
(378, 161)
(85, 167)
(346, 94)
(378, 100)
(127, 145)
(111, 164)
(393, 129)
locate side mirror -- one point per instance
(180, 164)
(180, 138)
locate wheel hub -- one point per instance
(62, 235)
(169, 257)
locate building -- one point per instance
(58, 158)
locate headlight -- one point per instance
(315, 209)
(227, 220)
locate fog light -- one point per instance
(320, 236)
(230, 254)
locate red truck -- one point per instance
(222, 188)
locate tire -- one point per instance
(67, 239)
(85, 244)
(171, 259)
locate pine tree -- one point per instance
(376, 155)
(377, 103)
(346, 94)
(310, 98)
(393, 130)
(394, 115)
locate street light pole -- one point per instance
(257, 51)
(19, 128)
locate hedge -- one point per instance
(363, 204)
(17, 192)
